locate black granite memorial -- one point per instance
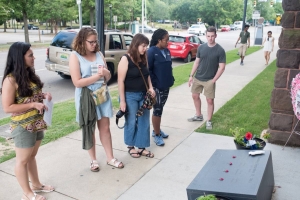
(236, 175)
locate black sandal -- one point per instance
(129, 149)
(149, 154)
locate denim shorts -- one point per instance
(24, 138)
(161, 99)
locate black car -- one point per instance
(31, 27)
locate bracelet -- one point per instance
(190, 75)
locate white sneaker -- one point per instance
(208, 125)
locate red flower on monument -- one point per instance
(248, 136)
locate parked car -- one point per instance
(197, 29)
(225, 28)
(232, 27)
(147, 29)
(181, 26)
(58, 53)
(184, 46)
(238, 25)
(31, 27)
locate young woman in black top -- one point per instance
(132, 91)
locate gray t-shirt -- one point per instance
(210, 57)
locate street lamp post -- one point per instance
(110, 6)
(80, 13)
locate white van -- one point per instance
(238, 25)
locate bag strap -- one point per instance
(143, 77)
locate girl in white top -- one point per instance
(268, 45)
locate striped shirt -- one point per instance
(30, 119)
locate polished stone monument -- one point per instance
(236, 175)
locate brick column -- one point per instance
(282, 118)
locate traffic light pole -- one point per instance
(244, 16)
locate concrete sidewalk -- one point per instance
(65, 165)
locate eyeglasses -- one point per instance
(92, 42)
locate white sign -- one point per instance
(78, 1)
(255, 16)
(256, 12)
(115, 18)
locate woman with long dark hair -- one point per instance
(161, 73)
(132, 90)
(22, 97)
(268, 45)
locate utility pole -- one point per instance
(110, 6)
(79, 13)
(100, 23)
(143, 6)
(244, 16)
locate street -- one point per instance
(63, 89)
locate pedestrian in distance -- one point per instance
(245, 38)
(84, 58)
(208, 67)
(268, 45)
(22, 96)
(161, 73)
(132, 91)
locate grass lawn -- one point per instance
(5, 47)
(249, 109)
(63, 122)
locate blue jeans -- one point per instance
(137, 129)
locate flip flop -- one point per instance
(115, 163)
(43, 189)
(94, 166)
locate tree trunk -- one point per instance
(5, 26)
(51, 26)
(25, 26)
(92, 16)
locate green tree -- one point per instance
(23, 6)
(55, 12)
(278, 8)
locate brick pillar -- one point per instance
(282, 118)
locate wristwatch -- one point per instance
(190, 75)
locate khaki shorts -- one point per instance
(208, 86)
(24, 138)
(243, 49)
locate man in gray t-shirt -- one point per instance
(244, 37)
(209, 65)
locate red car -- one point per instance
(225, 28)
(184, 46)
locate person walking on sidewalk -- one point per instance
(161, 73)
(132, 91)
(268, 45)
(22, 97)
(86, 54)
(209, 66)
(244, 37)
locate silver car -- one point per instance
(147, 29)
